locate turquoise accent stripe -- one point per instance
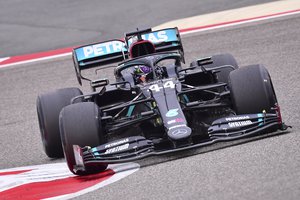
(130, 110)
(260, 115)
(186, 98)
(95, 153)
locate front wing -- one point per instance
(137, 147)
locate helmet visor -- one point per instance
(145, 69)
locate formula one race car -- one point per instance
(156, 105)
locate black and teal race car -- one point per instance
(155, 105)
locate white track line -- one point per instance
(238, 23)
(195, 30)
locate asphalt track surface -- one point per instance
(267, 168)
(38, 25)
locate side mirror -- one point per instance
(99, 83)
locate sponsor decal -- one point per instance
(237, 118)
(100, 49)
(117, 149)
(172, 112)
(239, 123)
(117, 143)
(55, 181)
(168, 35)
(116, 46)
(177, 120)
(156, 37)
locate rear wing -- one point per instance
(98, 54)
(163, 40)
(112, 51)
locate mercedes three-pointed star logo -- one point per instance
(179, 131)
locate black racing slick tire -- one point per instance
(49, 106)
(221, 60)
(251, 90)
(80, 124)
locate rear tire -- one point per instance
(80, 124)
(220, 60)
(251, 90)
(49, 106)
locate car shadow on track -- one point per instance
(217, 146)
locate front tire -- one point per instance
(80, 124)
(251, 90)
(49, 106)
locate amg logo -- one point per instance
(116, 149)
(239, 124)
(237, 118)
(116, 143)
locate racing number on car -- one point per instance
(156, 88)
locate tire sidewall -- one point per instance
(86, 131)
(49, 106)
(251, 90)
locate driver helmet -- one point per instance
(142, 69)
(141, 72)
